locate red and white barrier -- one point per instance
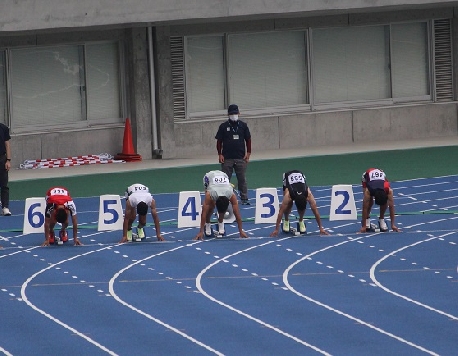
(103, 158)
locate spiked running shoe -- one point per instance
(63, 235)
(52, 237)
(302, 227)
(286, 226)
(140, 233)
(208, 229)
(129, 235)
(382, 225)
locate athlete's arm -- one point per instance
(314, 208)
(203, 216)
(238, 216)
(283, 207)
(76, 242)
(365, 209)
(391, 207)
(155, 216)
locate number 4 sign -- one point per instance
(189, 207)
(343, 205)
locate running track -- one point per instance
(344, 294)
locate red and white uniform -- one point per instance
(374, 179)
(59, 196)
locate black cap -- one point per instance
(232, 109)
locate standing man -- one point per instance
(233, 143)
(376, 188)
(218, 193)
(295, 189)
(138, 199)
(5, 165)
(59, 205)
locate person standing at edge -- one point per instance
(5, 165)
(233, 143)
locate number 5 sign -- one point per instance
(343, 205)
(34, 216)
(110, 213)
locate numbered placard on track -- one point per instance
(343, 205)
(189, 209)
(34, 216)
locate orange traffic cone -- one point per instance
(128, 153)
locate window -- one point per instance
(267, 69)
(47, 86)
(205, 75)
(103, 82)
(351, 64)
(64, 86)
(410, 64)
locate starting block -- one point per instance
(189, 209)
(110, 213)
(267, 206)
(34, 216)
(343, 205)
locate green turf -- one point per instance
(319, 170)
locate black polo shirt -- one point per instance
(233, 135)
(4, 136)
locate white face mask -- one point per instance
(233, 117)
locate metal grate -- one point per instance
(178, 84)
(443, 60)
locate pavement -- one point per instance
(33, 174)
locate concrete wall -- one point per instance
(66, 144)
(37, 22)
(26, 15)
(327, 128)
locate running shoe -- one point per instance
(302, 227)
(63, 235)
(286, 226)
(52, 237)
(382, 225)
(208, 229)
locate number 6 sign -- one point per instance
(34, 216)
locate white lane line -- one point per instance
(248, 316)
(374, 279)
(141, 312)
(49, 316)
(286, 282)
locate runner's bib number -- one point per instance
(295, 178)
(376, 174)
(220, 180)
(58, 191)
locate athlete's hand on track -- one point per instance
(274, 233)
(199, 236)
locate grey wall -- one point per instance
(66, 144)
(31, 22)
(327, 128)
(26, 15)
